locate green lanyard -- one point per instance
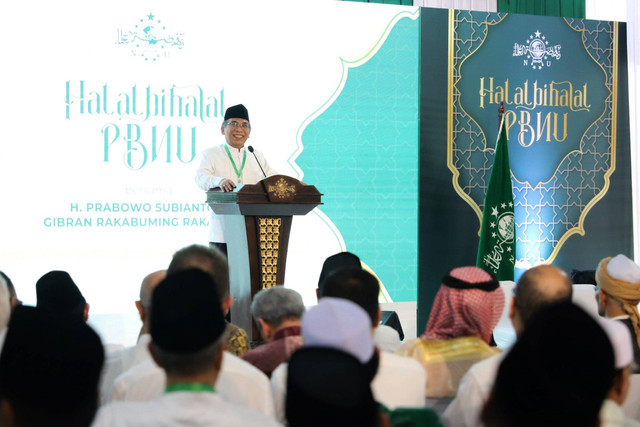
(193, 387)
(235, 168)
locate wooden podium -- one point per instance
(257, 221)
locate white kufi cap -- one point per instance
(340, 324)
(622, 268)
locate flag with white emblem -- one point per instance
(497, 247)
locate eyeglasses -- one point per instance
(243, 125)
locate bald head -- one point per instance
(538, 287)
(149, 283)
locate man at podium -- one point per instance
(228, 165)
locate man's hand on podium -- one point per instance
(227, 185)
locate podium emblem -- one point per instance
(282, 190)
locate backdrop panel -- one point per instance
(568, 140)
(108, 107)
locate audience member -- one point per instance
(277, 311)
(143, 305)
(214, 262)
(59, 295)
(538, 287)
(5, 309)
(328, 387)
(558, 372)
(328, 380)
(187, 339)
(330, 377)
(466, 309)
(618, 295)
(385, 337)
(335, 263)
(397, 381)
(12, 291)
(120, 361)
(238, 382)
(611, 413)
(49, 370)
(400, 381)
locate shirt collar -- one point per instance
(288, 331)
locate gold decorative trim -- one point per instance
(269, 250)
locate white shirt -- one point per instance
(238, 382)
(399, 382)
(473, 392)
(386, 338)
(122, 360)
(216, 166)
(181, 408)
(611, 415)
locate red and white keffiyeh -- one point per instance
(466, 310)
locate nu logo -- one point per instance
(150, 40)
(537, 50)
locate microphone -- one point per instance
(250, 148)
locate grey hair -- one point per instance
(210, 260)
(277, 304)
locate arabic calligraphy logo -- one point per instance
(537, 51)
(505, 227)
(150, 39)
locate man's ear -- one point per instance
(620, 389)
(604, 298)
(226, 304)
(85, 315)
(379, 317)
(512, 308)
(265, 328)
(140, 309)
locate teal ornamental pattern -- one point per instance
(361, 151)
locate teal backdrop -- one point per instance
(362, 151)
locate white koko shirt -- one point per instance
(216, 166)
(239, 382)
(181, 408)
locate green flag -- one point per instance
(497, 247)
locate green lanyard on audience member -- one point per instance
(193, 387)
